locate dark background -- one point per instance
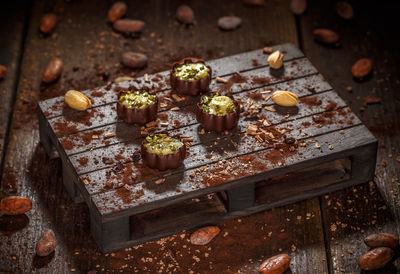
(326, 238)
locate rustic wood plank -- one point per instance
(351, 214)
(106, 114)
(123, 152)
(13, 16)
(76, 249)
(113, 204)
(158, 82)
(83, 140)
(98, 179)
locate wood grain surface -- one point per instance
(85, 41)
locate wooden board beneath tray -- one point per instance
(225, 175)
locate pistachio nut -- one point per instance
(77, 100)
(275, 60)
(284, 98)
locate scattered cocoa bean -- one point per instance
(344, 10)
(204, 235)
(128, 25)
(361, 68)
(253, 2)
(290, 140)
(275, 265)
(326, 36)
(382, 240)
(53, 70)
(375, 258)
(117, 10)
(15, 205)
(46, 243)
(3, 71)
(48, 23)
(229, 22)
(268, 50)
(298, 6)
(134, 59)
(185, 14)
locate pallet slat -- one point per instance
(106, 114)
(221, 67)
(111, 205)
(124, 132)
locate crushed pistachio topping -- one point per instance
(137, 99)
(218, 105)
(162, 144)
(191, 72)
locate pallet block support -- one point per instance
(110, 235)
(240, 197)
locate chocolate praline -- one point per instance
(133, 115)
(163, 162)
(189, 87)
(215, 122)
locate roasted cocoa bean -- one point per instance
(117, 10)
(229, 22)
(253, 2)
(48, 23)
(375, 258)
(361, 68)
(15, 205)
(298, 6)
(326, 36)
(275, 265)
(128, 25)
(344, 10)
(204, 235)
(53, 70)
(290, 140)
(3, 71)
(134, 59)
(185, 14)
(382, 240)
(46, 243)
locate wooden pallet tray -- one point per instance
(225, 175)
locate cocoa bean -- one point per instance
(46, 243)
(15, 205)
(204, 235)
(253, 2)
(128, 25)
(185, 14)
(48, 23)
(229, 22)
(117, 10)
(361, 68)
(344, 10)
(375, 258)
(275, 265)
(326, 36)
(53, 70)
(134, 59)
(298, 6)
(3, 71)
(382, 240)
(290, 140)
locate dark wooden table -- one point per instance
(322, 235)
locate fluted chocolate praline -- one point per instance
(189, 87)
(163, 162)
(139, 116)
(218, 123)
